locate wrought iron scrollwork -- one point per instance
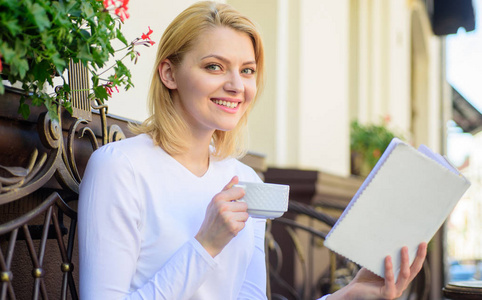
(302, 249)
(55, 159)
(25, 180)
(13, 229)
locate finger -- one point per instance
(389, 276)
(404, 274)
(238, 206)
(235, 221)
(233, 181)
(231, 194)
(240, 216)
(419, 259)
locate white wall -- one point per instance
(383, 63)
(323, 86)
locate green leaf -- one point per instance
(7, 53)
(2, 88)
(48, 42)
(68, 106)
(39, 70)
(87, 9)
(21, 47)
(101, 93)
(37, 101)
(52, 110)
(121, 37)
(84, 53)
(66, 87)
(13, 26)
(72, 6)
(23, 108)
(40, 16)
(19, 66)
(12, 4)
(85, 34)
(59, 62)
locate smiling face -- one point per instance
(215, 82)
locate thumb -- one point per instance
(233, 181)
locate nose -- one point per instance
(234, 83)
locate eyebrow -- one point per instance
(226, 60)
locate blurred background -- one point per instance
(345, 71)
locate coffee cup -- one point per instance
(265, 200)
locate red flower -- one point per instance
(376, 153)
(1, 67)
(121, 10)
(108, 3)
(119, 7)
(147, 36)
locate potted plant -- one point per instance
(39, 38)
(367, 144)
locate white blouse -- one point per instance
(139, 210)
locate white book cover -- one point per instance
(403, 201)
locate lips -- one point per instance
(228, 104)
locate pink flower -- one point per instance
(109, 89)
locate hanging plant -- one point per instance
(38, 39)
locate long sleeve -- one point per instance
(110, 225)
(254, 285)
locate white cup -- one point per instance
(265, 200)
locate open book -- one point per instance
(403, 202)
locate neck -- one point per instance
(196, 156)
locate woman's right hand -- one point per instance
(224, 218)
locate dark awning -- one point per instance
(465, 114)
(447, 16)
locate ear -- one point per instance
(166, 73)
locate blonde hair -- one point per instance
(165, 125)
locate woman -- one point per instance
(157, 212)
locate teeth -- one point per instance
(226, 103)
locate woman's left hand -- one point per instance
(367, 285)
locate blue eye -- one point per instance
(213, 67)
(248, 71)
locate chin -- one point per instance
(227, 126)
(226, 129)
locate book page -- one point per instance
(403, 204)
(438, 158)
